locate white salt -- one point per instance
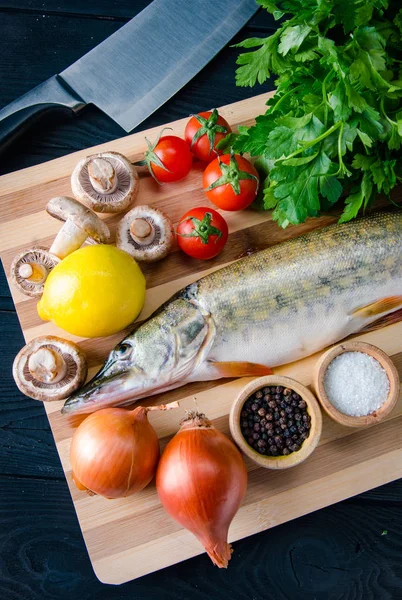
(356, 384)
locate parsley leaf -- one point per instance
(335, 122)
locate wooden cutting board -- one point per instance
(130, 537)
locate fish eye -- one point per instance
(123, 351)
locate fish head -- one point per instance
(161, 352)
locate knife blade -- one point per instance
(138, 68)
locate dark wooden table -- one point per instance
(350, 550)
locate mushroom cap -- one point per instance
(69, 209)
(36, 255)
(115, 202)
(162, 241)
(76, 369)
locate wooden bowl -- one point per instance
(385, 362)
(277, 462)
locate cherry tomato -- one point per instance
(202, 232)
(230, 182)
(203, 132)
(169, 159)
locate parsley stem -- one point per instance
(288, 93)
(325, 99)
(316, 140)
(340, 145)
(390, 121)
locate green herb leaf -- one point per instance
(358, 199)
(335, 121)
(292, 38)
(297, 188)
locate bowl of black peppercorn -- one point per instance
(276, 421)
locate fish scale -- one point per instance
(267, 309)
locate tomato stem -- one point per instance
(209, 127)
(202, 229)
(232, 175)
(152, 157)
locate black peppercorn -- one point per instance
(274, 421)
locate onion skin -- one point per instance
(114, 452)
(201, 481)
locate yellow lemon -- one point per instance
(95, 291)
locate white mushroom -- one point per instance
(30, 269)
(80, 223)
(146, 233)
(107, 182)
(49, 368)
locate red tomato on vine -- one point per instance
(231, 182)
(204, 131)
(168, 159)
(202, 233)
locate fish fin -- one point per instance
(389, 319)
(240, 369)
(379, 307)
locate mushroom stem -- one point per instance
(142, 232)
(33, 272)
(102, 176)
(47, 366)
(70, 238)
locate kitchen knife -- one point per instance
(137, 68)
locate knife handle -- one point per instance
(52, 96)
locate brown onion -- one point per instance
(115, 452)
(201, 481)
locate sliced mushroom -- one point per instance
(30, 269)
(80, 223)
(146, 233)
(107, 182)
(49, 368)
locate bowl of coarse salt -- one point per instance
(356, 383)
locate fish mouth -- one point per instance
(103, 390)
(108, 389)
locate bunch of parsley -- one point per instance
(334, 125)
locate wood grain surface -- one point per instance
(130, 537)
